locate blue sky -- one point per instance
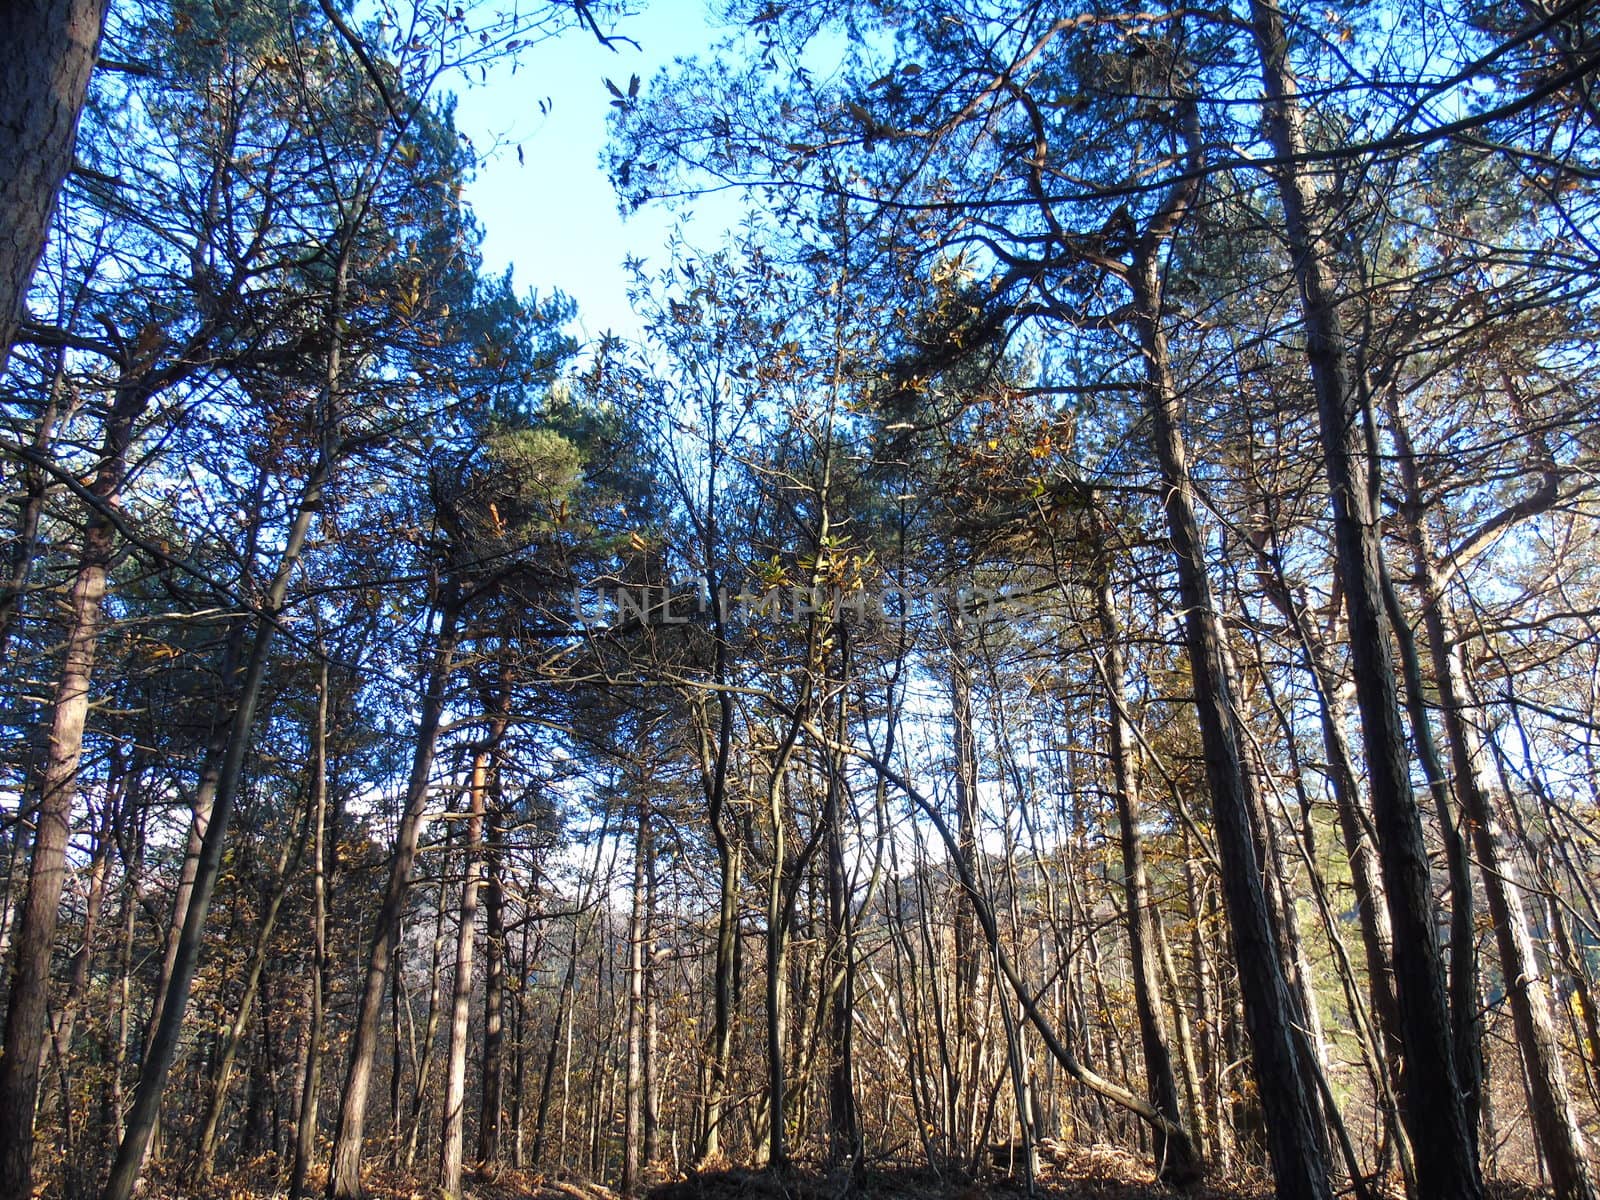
(554, 216)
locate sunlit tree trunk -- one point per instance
(27, 1020)
(1176, 1163)
(1442, 1135)
(453, 1124)
(1288, 1097)
(633, 1087)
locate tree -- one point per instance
(51, 46)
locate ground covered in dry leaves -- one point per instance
(1066, 1173)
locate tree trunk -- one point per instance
(1287, 1096)
(241, 1018)
(344, 1182)
(1465, 1010)
(722, 1004)
(492, 1105)
(839, 967)
(1442, 1135)
(557, 1030)
(777, 983)
(451, 1136)
(51, 46)
(119, 783)
(27, 1017)
(519, 1041)
(633, 1088)
(969, 1036)
(305, 1138)
(1176, 1162)
(1559, 1137)
(651, 1149)
(423, 1061)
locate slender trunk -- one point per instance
(306, 1126)
(1442, 1134)
(1206, 1006)
(1288, 1097)
(27, 1018)
(519, 1038)
(344, 1181)
(844, 1122)
(1465, 1010)
(633, 1088)
(557, 1030)
(430, 1033)
(969, 1036)
(122, 1020)
(199, 819)
(1177, 1163)
(119, 782)
(715, 784)
(237, 1028)
(652, 1096)
(1193, 1085)
(1559, 1137)
(728, 867)
(455, 1092)
(777, 983)
(492, 1104)
(397, 1007)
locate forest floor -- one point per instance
(1067, 1173)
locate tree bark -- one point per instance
(452, 1133)
(27, 1018)
(1442, 1135)
(839, 967)
(305, 1138)
(164, 1046)
(51, 47)
(1176, 1162)
(1559, 1137)
(492, 1105)
(344, 1181)
(633, 1087)
(1288, 1098)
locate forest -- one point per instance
(1061, 659)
